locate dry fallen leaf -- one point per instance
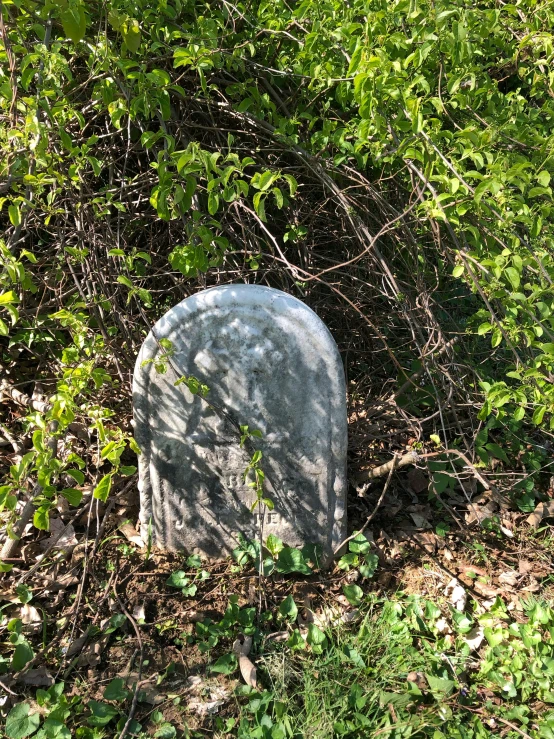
(92, 655)
(247, 669)
(525, 566)
(487, 590)
(149, 693)
(442, 626)
(131, 534)
(40, 677)
(418, 678)
(543, 510)
(76, 645)
(458, 595)
(507, 532)
(278, 636)
(217, 695)
(474, 637)
(417, 480)
(508, 578)
(477, 513)
(66, 540)
(421, 522)
(139, 614)
(30, 615)
(426, 539)
(533, 586)
(201, 708)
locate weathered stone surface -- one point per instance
(272, 364)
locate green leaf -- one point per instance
(292, 560)
(177, 579)
(354, 656)
(369, 565)
(72, 495)
(54, 729)
(22, 655)
(519, 413)
(115, 690)
(131, 35)
(538, 415)
(543, 178)
(194, 561)
(493, 636)
(348, 560)
(102, 490)
(513, 275)
(288, 608)
(274, 545)
(101, 713)
(259, 206)
(225, 665)
(458, 270)
(14, 313)
(4, 330)
(41, 518)
(24, 593)
(279, 200)
(74, 22)
(116, 621)
(8, 297)
(265, 180)
(213, 202)
(316, 637)
(440, 685)
(496, 337)
(293, 184)
(15, 215)
(166, 731)
(20, 722)
(359, 544)
(484, 328)
(497, 452)
(353, 593)
(77, 475)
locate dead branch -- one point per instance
(21, 398)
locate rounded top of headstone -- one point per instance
(259, 297)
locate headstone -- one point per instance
(270, 363)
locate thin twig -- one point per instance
(374, 511)
(138, 683)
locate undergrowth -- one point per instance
(403, 667)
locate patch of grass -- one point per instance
(406, 671)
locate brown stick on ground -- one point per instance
(384, 469)
(412, 458)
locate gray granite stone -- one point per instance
(272, 364)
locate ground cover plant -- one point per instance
(390, 164)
